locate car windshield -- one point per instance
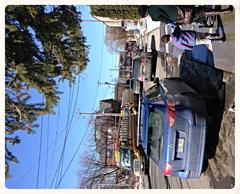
(155, 133)
(125, 157)
(153, 94)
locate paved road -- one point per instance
(224, 59)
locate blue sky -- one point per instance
(34, 173)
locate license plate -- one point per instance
(180, 145)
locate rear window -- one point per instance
(153, 94)
(136, 67)
(155, 133)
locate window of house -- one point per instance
(109, 153)
(110, 134)
(109, 137)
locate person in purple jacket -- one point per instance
(187, 39)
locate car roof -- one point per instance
(144, 120)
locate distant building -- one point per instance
(120, 87)
(106, 131)
(105, 137)
(110, 106)
(111, 22)
(114, 22)
(125, 67)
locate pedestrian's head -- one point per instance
(165, 38)
(143, 11)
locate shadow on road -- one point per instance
(196, 68)
(153, 43)
(220, 26)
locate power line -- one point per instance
(73, 113)
(56, 133)
(85, 133)
(32, 166)
(46, 165)
(39, 156)
(104, 96)
(64, 144)
(68, 129)
(88, 124)
(79, 143)
(100, 71)
(106, 83)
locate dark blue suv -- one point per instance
(173, 120)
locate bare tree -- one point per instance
(96, 172)
(115, 38)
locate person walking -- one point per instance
(178, 14)
(187, 39)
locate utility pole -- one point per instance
(105, 83)
(100, 114)
(123, 70)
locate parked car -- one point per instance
(143, 65)
(135, 86)
(173, 120)
(142, 70)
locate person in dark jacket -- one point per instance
(178, 14)
(187, 39)
(163, 13)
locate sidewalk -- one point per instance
(145, 182)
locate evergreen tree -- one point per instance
(44, 45)
(116, 11)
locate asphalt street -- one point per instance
(223, 59)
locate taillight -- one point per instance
(141, 78)
(189, 173)
(142, 60)
(167, 169)
(171, 111)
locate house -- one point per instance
(105, 137)
(111, 22)
(106, 131)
